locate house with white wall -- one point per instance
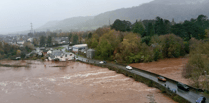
(61, 56)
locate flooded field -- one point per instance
(71, 82)
(171, 68)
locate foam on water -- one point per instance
(84, 75)
(3, 84)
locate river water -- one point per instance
(73, 82)
(171, 68)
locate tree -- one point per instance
(30, 34)
(129, 48)
(121, 25)
(162, 27)
(23, 54)
(28, 46)
(70, 37)
(150, 30)
(75, 39)
(89, 35)
(42, 41)
(104, 49)
(35, 42)
(94, 43)
(49, 41)
(138, 27)
(18, 53)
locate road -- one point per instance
(190, 95)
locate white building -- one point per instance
(80, 47)
(30, 40)
(61, 56)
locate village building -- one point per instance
(90, 53)
(76, 48)
(60, 56)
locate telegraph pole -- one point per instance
(31, 31)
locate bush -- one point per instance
(150, 83)
(198, 64)
(146, 40)
(172, 46)
(157, 54)
(186, 45)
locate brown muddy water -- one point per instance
(171, 68)
(74, 83)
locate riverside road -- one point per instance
(190, 95)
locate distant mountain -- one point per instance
(179, 10)
(66, 24)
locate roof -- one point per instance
(80, 45)
(57, 53)
(52, 56)
(90, 50)
(42, 48)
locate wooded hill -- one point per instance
(179, 10)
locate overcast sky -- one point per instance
(16, 15)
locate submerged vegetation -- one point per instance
(197, 68)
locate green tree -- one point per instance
(129, 48)
(162, 27)
(123, 26)
(94, 43)
(150, 30)
(70, 37)
(89, 35)
(49, 41)
(35, 42)
(75, 39)
(104, 50)
(18, 53)
(138, 27)
(42, 41)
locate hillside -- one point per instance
(180, 10)
(66, 24)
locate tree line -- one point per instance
(147, 40)
(11, 51)
(186, 30)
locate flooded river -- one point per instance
(71, 82)
(171, 68)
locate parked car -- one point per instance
(182, 86)
(161, 78)
(129, 67)
(201, 100)
(102, 62)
